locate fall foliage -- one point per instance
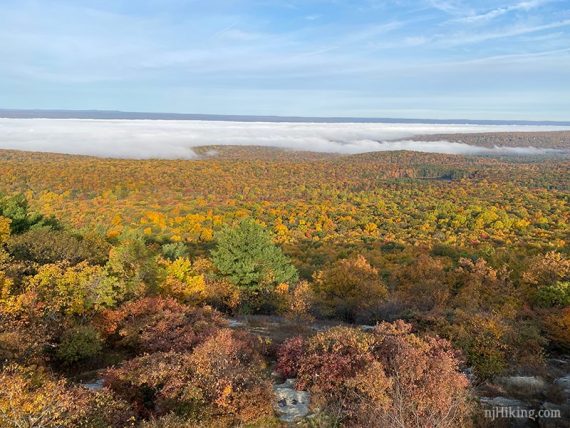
(130, 269)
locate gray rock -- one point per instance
(502, 402)
(96, 385)
(525, 384)
(233, 323)
(292, 405)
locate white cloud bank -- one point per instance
(144, 139)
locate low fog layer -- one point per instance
(144, 139)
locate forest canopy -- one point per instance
(431, 274)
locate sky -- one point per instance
(395, 58)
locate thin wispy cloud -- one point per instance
(452, 7)
(517, 30)
(173, 55)
(361, 36)
(500, 11)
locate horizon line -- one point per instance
(96, 114)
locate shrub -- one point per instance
(557, 327)
(267, 301)
(79, 343)
(300, 301)
(156, 324)
(170, 420)
(390, 377)
(26, 396)
(484, 340)
(547, 269)
(25, 331)
(223, 377)
(557, 294)
(423, 284)
(156, 384)
(482, 288)
(527, 343)
(4, 232)
(223, 295)
(426, 383)
(333, 357)
(231, 373)
(289, 357)
(97, 409)
(349, 289)
(31, 398)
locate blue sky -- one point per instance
(371, 58)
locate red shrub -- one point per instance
(390, 377)
(157, 324)
(289, 357)
(427, 385)
(231, 374)
(151, 382)
(225, 376)
(332, 357)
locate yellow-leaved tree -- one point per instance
(182, 281)
(76, 290)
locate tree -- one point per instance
(182, 281)
(4, 236)
(248, 257)
(174, 250)
(349, 288)
(423, 284)
(75, 290)
(51, 246)
(16, 208)
(134, 263)
(4, 230)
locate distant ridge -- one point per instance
(110, 114)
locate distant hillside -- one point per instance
(551, 139)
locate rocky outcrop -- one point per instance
(291, 405)
(530, 384)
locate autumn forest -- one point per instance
(394, 289)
